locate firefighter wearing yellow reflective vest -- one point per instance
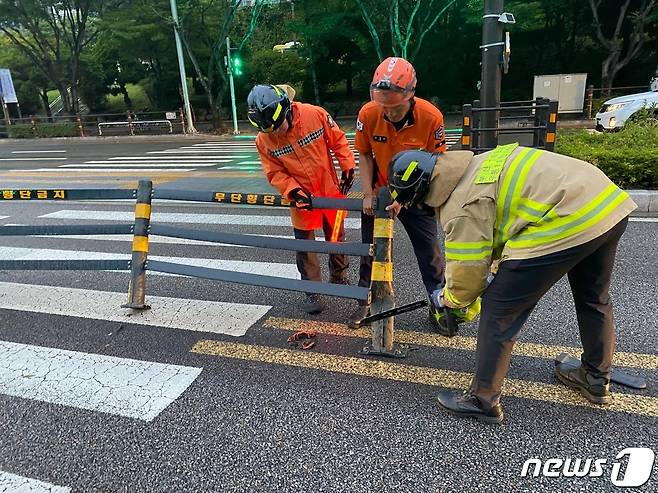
(541, 215)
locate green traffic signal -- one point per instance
(236, 64)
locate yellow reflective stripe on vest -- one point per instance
(531, 211)
(510, 191)
(468, 250)
(502, 212)
(532, 207)
(562, 227)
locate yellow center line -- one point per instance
(530, 349)
(633, 404)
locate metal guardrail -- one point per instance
(541, 111)
(132, 124)
(90, 124)
(381, 287)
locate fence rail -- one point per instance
(97, 124)
(541, 111)
(140, 264)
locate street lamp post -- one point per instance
(181, 67)
(492, 48)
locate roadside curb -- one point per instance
(116, 138)
(646, 200)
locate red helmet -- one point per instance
(394, 82)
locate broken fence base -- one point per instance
(398, 351)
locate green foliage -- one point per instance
(271, 67)
(28, 80)
(130, 44)
(140, 100)
(629, 157)
(45, 130)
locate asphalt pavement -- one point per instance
(202, 393)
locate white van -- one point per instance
(614, 112)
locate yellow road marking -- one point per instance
(633, 404)
(533, 350)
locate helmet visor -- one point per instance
(259, 121)
(389, 97)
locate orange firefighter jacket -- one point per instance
(301, 158)
(378, 136)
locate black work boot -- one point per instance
(361, 312)
(466, 405)
(594, 389)
(313, 304)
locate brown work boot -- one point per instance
(361, 312)
(594, 389)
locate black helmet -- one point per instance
(268, 106)
(409, 176)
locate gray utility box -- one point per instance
(568, 89)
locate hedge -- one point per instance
(24, 130)
(629, 157)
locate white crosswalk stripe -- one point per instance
(153, 239)
(176, 313)
(127, 387)
(288, 271)
(12, 483)
(164, 217)
(231, 155)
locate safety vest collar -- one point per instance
(448, 171)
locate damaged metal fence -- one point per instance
(139, 264)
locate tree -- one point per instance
(30, 83)
(421, 17)
(627, 38)
(197, 18)
(53, 34)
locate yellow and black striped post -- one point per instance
(551, 126)
(137, 286)
(467, 117)
(381, 283)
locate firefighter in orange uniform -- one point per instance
(295, 142)
(395, 120)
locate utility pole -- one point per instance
(229, 69)
(181, 68)
(492, 49)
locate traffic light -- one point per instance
(236, 64)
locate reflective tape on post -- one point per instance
(467, 116)
(143, 211)
(141, 244)
(383, 228)
(551, 126)
(382, 271)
